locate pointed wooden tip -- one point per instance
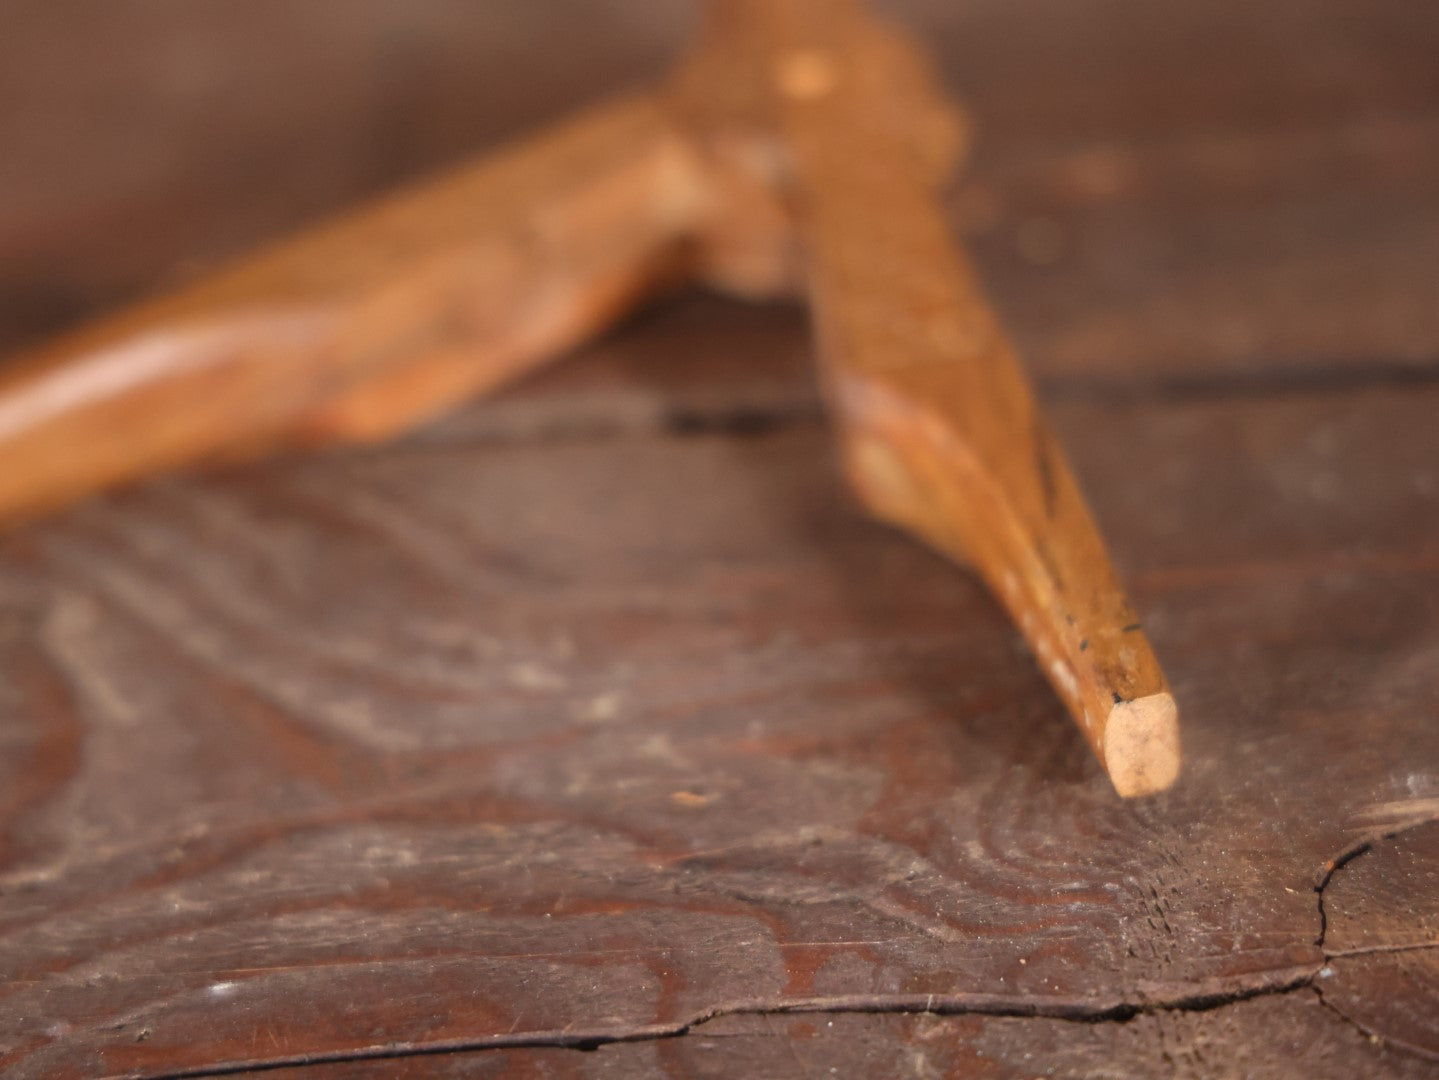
(1141, 745)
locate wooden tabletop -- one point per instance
(598, 718)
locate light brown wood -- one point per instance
(365, 327)
(940, 430)
(801, 145)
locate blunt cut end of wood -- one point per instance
(1141, 745)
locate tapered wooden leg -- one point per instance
(940, 429)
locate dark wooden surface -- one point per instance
(599, 713)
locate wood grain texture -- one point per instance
(1382, 928)
(585, 764)
(571, 765)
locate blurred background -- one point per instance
(1184, 188)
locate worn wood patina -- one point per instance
(600, 718)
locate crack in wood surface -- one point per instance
(1348, 854)
(1368, 1032)
(1144, 998)
(1113, 1008)
(1376, 950)
(1259, 382)
(793, 406)
(1358, 1025)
